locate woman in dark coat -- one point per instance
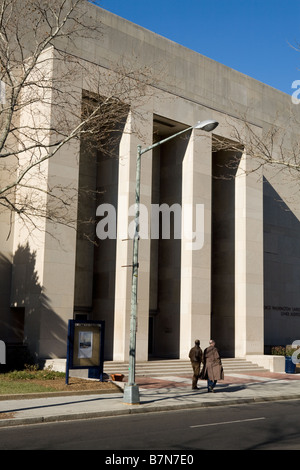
(212, 369)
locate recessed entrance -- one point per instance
(224, 167)
(164, 319)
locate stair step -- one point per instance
(177, 367)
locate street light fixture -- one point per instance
(131, 389)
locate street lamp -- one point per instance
(131, 390)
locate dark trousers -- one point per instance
(196, 372)
(211, 384)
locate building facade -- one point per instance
(236, 280)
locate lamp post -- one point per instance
(131, 390)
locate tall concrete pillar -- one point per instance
(137, 131)
(7, 331)
(44, 252)
(195, 304)
(249, 307)
(60, 258)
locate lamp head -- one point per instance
(208, 125)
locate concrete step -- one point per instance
(176, 367)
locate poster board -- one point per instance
(85, 347)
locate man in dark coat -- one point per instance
(196, 357)
(212, 369)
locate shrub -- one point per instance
(283, 351)
(278, 351)
(32, 372)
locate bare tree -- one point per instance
(275, 147)
(39, 113)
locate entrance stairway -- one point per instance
(156, 368)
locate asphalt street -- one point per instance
(259, 426)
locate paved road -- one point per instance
(272, 425)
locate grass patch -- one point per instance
(29, 380)
(12, 388)
(33, 380)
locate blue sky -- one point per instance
(254, 37)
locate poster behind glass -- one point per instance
(86, 345)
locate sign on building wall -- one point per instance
(85, 347)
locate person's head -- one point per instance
(197, 342)
(212, 342)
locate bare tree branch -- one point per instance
(53, 101)
(276, 147)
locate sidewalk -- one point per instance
(171, 393)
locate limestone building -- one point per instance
(241, 286)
